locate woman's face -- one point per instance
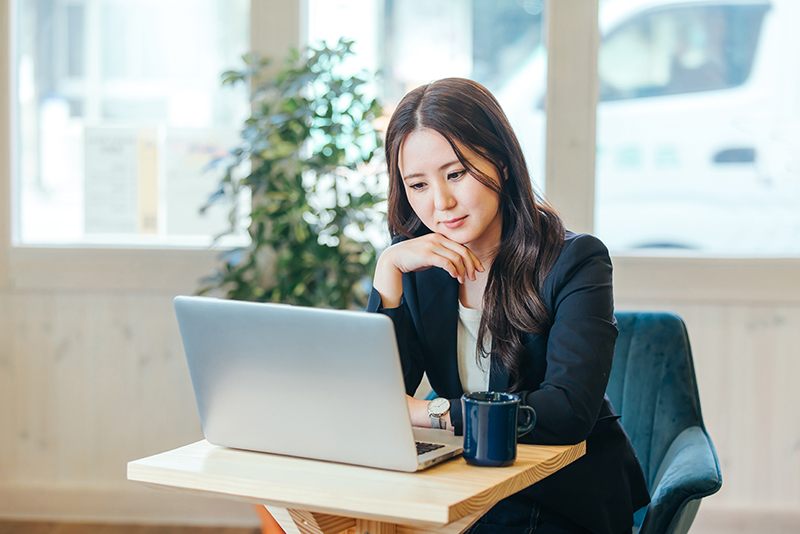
(445, 196)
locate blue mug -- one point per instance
(491, 427)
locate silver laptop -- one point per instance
(306, 382)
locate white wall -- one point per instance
(89, 380)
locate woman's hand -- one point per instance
(431, 250)
(418, 410)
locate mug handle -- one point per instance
(524, 429)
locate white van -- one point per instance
(698, 125)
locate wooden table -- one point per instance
(311, 497)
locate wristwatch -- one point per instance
(437, 409)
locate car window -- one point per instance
(679, 50)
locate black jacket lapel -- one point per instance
(438, 295)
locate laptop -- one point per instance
(305, 382)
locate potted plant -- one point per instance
(310, 158)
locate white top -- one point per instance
(474, 377)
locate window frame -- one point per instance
(573, 39)
(274, 28)
(570, 154)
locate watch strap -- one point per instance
(437, 422)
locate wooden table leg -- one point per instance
(364, 526)
(302, 522)
(456, 527)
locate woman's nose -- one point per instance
(443, 198)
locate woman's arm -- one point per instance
(431, 250)
(580, 345)
(408, 256)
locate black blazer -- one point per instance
(564, 379)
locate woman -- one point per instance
(477, 256)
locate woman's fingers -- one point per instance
(466, 257)
(435, 250)
(470, 260)
(432, 250)
(450, 261)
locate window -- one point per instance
(679, 50)
(412, 42)
(769, 156)
(697, 128)
(120, 109)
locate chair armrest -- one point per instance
(689, 471)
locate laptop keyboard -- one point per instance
(423, 447)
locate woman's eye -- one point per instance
(417, 186)
(455, 175)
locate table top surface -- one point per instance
(435, 496)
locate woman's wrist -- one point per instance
(388, 280)
(418, 409)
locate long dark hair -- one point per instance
(467, 115)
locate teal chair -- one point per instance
(653, 386)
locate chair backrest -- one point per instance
(652, 384)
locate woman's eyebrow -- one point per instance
(441, 168)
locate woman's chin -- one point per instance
(454, 237)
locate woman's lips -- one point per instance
(454, 223)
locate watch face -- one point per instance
(438, 406)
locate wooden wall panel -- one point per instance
(88, 382)
(91, 380)
(72, 390)
(747, 362)
(33, 428)
(8, 392)
(164, 391)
